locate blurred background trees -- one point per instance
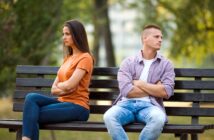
(30, 31)
(188, 25)
(27, 36)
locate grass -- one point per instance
(6, 112)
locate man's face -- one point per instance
(153, 38)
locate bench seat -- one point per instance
(193, 98)
(99, 126)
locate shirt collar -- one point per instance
(140, 57)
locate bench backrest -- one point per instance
(193, 87)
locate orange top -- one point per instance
(81, 95)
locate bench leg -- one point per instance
(53, 137)
(194, 137)
(19, 134)
(184, 137)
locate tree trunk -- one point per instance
(103, 30)
(97, 32)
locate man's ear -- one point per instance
(144, 38)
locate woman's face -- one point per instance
(67, 37)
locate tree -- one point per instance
(193, 36)
(28, 34)
(32, 31)
(102, 31)
(93, 12)
(187, 24)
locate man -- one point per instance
(144, 80)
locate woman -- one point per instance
(71, 86)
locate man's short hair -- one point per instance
(149, 26)
(145, 31)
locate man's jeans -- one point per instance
(128, 111)
(42, 109)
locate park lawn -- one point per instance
(6, 112)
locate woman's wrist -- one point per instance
(61, 86)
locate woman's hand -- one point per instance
(55, 90)
(59, 92)
(67, 87)
(62, 86)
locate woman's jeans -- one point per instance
(40, 109)
(128, 111)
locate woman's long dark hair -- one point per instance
(79, 36)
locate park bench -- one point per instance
(193, 87)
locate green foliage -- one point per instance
(8, 57)
(81, 9)
(30, 30)
(193, 36)
(28, 36)
(30, 33)
(189, 25)
(35, 28)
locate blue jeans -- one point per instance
(40, 109)
(128, 111)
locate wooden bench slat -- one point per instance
(41, 82)
(189, 111)
(194, 72)
(192, 97)
(171, 111)
(170, 128)
(20, 94)
(52, 70)
(12, 124)
(180, 72)
(105, 71)
(201, 85)
(135, 127)
(27, 69)
(112, 95)
(100, 126)
(104, 84)
(33, 82)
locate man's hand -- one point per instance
(159, 83)
(136, 92)
(156, 90)
(138, 83)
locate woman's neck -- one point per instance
(76, 51)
